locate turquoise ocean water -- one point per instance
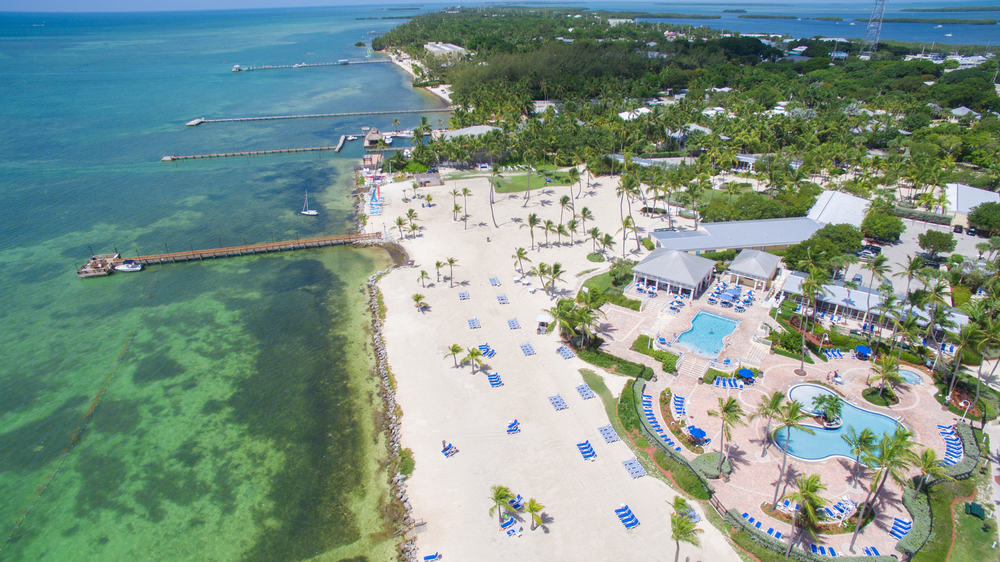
(233, 413)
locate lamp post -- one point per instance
(967, 405)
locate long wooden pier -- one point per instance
(342, 62)
(201, 120)
(265, 152)
(245, 250)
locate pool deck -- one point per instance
(755, 476)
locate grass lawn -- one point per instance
(960, 295)
(512, 182)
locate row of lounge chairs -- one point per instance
(449, 450)
(463, 295)
(635, 470)
(954, 449)
(728, 382)
(488, 352)
(514, 427)
(494, 379)
(587, 450)
(647, 409)
(871, 551)
(823, 551)
(495, 281)
(557, 402)
(609, 434)
(757, 525)
(474, 323)
(527, 349)
(510, 526)
(502, 299)
(565, 352)
(625, 515)
(585, 392)
(513, 324)
(833, 353)
(678, 403)
(840, 510)
(900, 528)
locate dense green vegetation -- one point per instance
(955, 9)
(668, 360)
(985, 21)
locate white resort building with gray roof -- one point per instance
(674, 272)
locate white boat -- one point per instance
(388, 139)
(938, 26)
(128, 266)
(236, 68)
(352, 138)
(947, 34)
(305, 208)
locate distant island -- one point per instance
(957, 21)
(955, 9)
(767, 17)
(828, 18)
(734, 11)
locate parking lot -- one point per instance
(907, 246)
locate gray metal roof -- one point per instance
(739, 234)
(473, 131)
(963, 198)
(836, 207)
(755, 264)
(676, 268)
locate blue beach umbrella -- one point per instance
(696, 432)
(746, 373)
(863, 350)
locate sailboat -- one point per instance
(305, 208)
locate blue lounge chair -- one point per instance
(822, 550)
(623, 511)
(813, 547)
(875, 551)
(833, 553)
(757, 525)
(770, 531)
(507, 523)
(430, 557)
(777, 534)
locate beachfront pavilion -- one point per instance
(675, 272)
(754, 268)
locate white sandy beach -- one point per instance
(444, 403)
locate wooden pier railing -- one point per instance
(249, 249)
(342, 62)
(200, 120)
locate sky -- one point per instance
(170, 5)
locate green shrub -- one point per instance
(668, 360)
(641, 442)
(627, 412)
(722, 255)
(685, 478)
(648, 244)
(595, 257)
(708, 463)
(712, 374)
(970, 446)
(924, 216)
(920, 513)
(406, 462)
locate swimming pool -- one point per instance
(707, 333)
(911, 377)
(824, 443)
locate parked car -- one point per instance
(957, 229)
(872, 248)
(971, 231)
(857, 279)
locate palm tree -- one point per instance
(414, 229)
(731, 413)
(500, 495)
(451, 263)
(607, 241)
(769, 407)
(810, 502)
(628, 224)
(548, 227)
(572, 226)
(830, 405)
(886, 371)
(565, 202)
(860, 444)
(437, 268)
(968, 336)
(453, 352)
(682, 529)
(455, 209)
(585, 215)
(418, 301)
(423, 277)
(400, 222)
(574, 178)
(534, 510)
(790, 416)
(929, 464)
(892, 456)
(541, 271)
(411, 216)
(595, 236)
(909, 270)
(474, 356)
(555, 274)
(466, 192)
(878, 267)
(811, 289)
(454, 196)
(521, 255)
(532, 222)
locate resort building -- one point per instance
(447, 50)
(473, 131)
(962, 199)
(675, 272)
(837, 207)
(754, 268)
(427, 179)
(763, 234)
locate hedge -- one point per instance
(614, 364)
(648, 244)
(758, 538)
(712, 374)
(708, 464)
(627, 412)
(970, 458)
(919, 215)
(920, 513)
(668, 360)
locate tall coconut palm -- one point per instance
(860, 444)
(534, 510)
(628, 225)
(811, 289)
(878, 267)
(423, 277)
(683, 529)
(411, 216)
(521, 255)
(451, 263)
(731, 414)
(768, 407)
(929, 464)
(595, 236)
(585, 215)
(565, 202)
(400, 223)
(891, 457)
(437, 268)
(790, 416)
(934, 298)
(886, 371)
(499, 496)
(807, 495)
(574, 179)
(453, 352)
(547, 227)
(967, 336)
(455, 210)
(474, 357)
(572, 226)
(555, 274)
(909, 270)
(560, 232)
(607, 241)
(531, 224)
(466, 192)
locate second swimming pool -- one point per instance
(824, 443)
(707, 334)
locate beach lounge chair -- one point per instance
(585, 392)
(507, 523)
(513, 324)
(946, 426)
(777, 535)
(502, 299)
(527, 349)
(565, 352)
(833, 553)
(463, 296)
(757, 525)
(494, 379)
(494, 281)
(609, 434)
(770, 531)
(814, 549)
(786, 505)
(430, 557)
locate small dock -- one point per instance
(342, 62)
(202, 120)
(265, 152)
(102, 265)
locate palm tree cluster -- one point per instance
(577, 318)
(547, 275)
(500, 497)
